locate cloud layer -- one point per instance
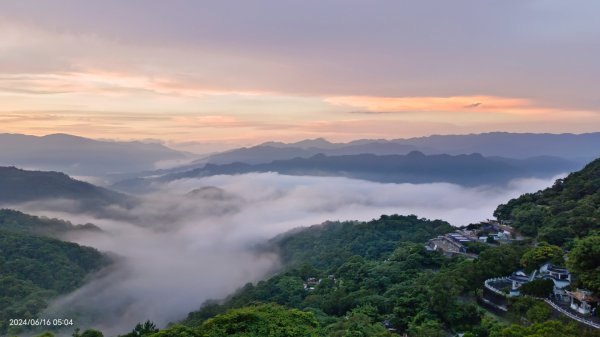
(196, 242)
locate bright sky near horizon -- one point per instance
(225, 72)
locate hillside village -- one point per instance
(577, 304)
(459, 241)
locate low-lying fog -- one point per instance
(196, 243)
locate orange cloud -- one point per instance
(374, 104)
(108, 83)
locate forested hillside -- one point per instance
(353, 276)
(20, 186)
(329, 245)
(567, 210)
(15, 221)
(34, 269)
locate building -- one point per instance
(560, 277)
(518, 278)
(449, 244)
(582, 301)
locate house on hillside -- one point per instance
(560, 277)
(450, 244)
(583, 301)
(311, 283)
(518, 278)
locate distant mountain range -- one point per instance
(82, 156)
(19, 186)
(415, 167)
(581, 148)
(524, 154)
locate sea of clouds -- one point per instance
(187, 243)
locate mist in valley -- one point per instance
(196, 239)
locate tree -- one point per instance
(46, 334)
(268, 320)
(145, 329)
(428, 328)
(584, 261)
(545, 329)
(538, 288)
(357, 324)
(538, 313)
(178, 331)
(92, 333)
(542, 253)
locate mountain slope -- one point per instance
(15, 221)
(568, 209)
(18, 186)
(35, 269)
(81, 156)
(414, 167)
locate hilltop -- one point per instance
(567, 210)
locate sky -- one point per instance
(242, 72)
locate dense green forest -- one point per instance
(34, 269)
(17, 185)
(569, 209)
(402, 285)
(383, 278)
(16, 221)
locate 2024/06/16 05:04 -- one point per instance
(40, 322)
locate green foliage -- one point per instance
(428, 328)
(496, 261)
(412, 288)
(534, 310)
(545, 329)
(329, 246)
(538, 288)
(267, 320)
(178, 331)
(567, 210)
(18, 185)
(142, 329)
(540, 254)
(584, 261)
(15, 221)
(538, 313)
(349, 259)
(476, 247)
(45, 334)
(359, 322)
(92, 333)
(34, 269)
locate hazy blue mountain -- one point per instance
(81, 156)
(579, 148)
(18, 186)
(320, 143)
(268, 152)
(415, 167)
